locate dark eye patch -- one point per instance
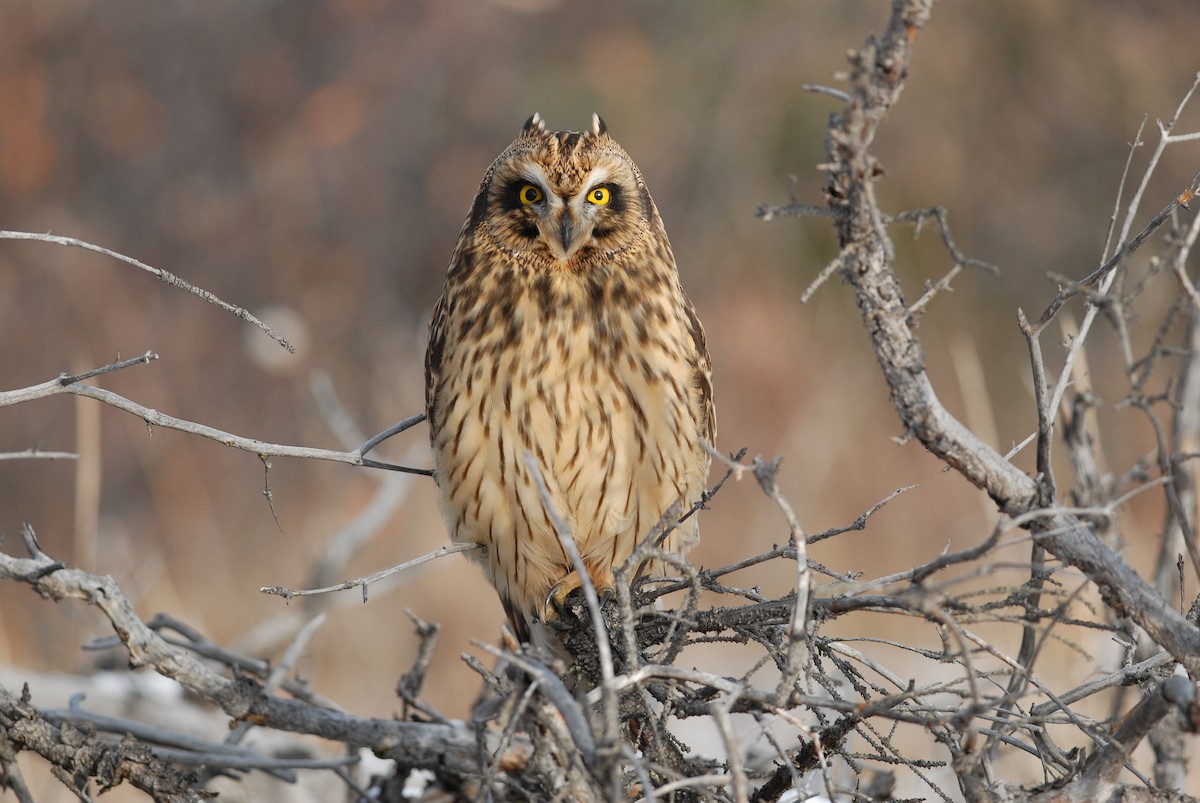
(521, 222)
(616, 201)
(510, 196)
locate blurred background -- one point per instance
(313, 162)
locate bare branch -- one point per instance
(878, 74)
(1100, 772)
(567, 540)
(38, 454)
(165, 276)
(792, 694)
(834, 265)
(80, 755)
(793, 208)
(938, 215)
(369, 580)
(154, 418)
(1104, 275)
(418, 744)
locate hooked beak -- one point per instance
(568, 236)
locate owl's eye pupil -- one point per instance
(530, 194)
(600, 196)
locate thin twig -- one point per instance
(1116, 259)
(765, 472)
(733, 749)
(169, 278)
(938, 214)
(557, 694)
(832, 267)
(567, 540)
(38, 454)
(367, 581)
(153, 418)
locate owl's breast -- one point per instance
(589, 387)
(603, 397)
(598, 394)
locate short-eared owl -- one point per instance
(563, 333)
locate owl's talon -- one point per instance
(556, 600)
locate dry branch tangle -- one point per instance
(421, 745)
(452, 750)
(878, 75)
(80, 754)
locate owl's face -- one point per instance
(563, 199)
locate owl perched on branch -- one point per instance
(563, 334)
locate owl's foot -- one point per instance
(556, 600)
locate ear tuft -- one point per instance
(533, 124)
(599, 129)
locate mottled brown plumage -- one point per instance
(563, 333)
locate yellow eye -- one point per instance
(530, 194)
(599, 196)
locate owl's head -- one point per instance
(563, 199)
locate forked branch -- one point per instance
(878, 74)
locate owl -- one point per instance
(563, 334)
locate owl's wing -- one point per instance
(433, 363)
(702, 374)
